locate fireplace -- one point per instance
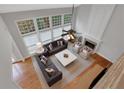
(91, 44)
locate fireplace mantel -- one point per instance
(92, 39)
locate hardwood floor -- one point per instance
(114, 78)
(84, 80)
(101, 61)
(25, 76)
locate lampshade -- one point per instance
(71, 36)
(66, 37)
(39, 47)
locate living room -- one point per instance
(62, 46)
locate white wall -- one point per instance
(91, 20)
(94, 21)
(5, 8)
(113, 38)
(99, 17)
(83, 13)
(16, 54)
(5, 54)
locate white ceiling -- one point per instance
(5, 8)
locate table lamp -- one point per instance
(39, 47)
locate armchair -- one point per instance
(85, 52)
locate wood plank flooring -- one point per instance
(84, 80)
(25, 76)
(101, 61)
(114, 78)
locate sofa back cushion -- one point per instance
(50, 46)
(60, 42)
(43, 61)
(55, 44)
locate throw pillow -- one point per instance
(50, 46)
(43, 61)
(43, 57)
(58, 43)
(61, 43)
(50, 71)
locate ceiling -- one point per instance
(6, 8)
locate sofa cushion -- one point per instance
(61, 43)
(43, 61)
(50, 71)
(50, 46)
(56, 46)
(45, 58)
(54, 43)
(58, 43)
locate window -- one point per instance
(30, 39)
(26, 26)
(57, 32)
(67, 18)
(56, 20)
(67, 27)
(30, 42)
(43, 23)
(43, 33)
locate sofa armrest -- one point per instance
(65, 43)
(55, 78)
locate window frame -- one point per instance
(24, 20)
(53, 32)
(57, 25)
(44, 28)
(35, 23)
(63, 18)
(37, 31)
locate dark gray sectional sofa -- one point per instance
(56, 48)
(58, 74)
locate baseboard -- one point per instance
(105, 57)
(23, 60)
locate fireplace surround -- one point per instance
(91, 42)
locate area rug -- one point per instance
(70, 72)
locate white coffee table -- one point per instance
(63, 60)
